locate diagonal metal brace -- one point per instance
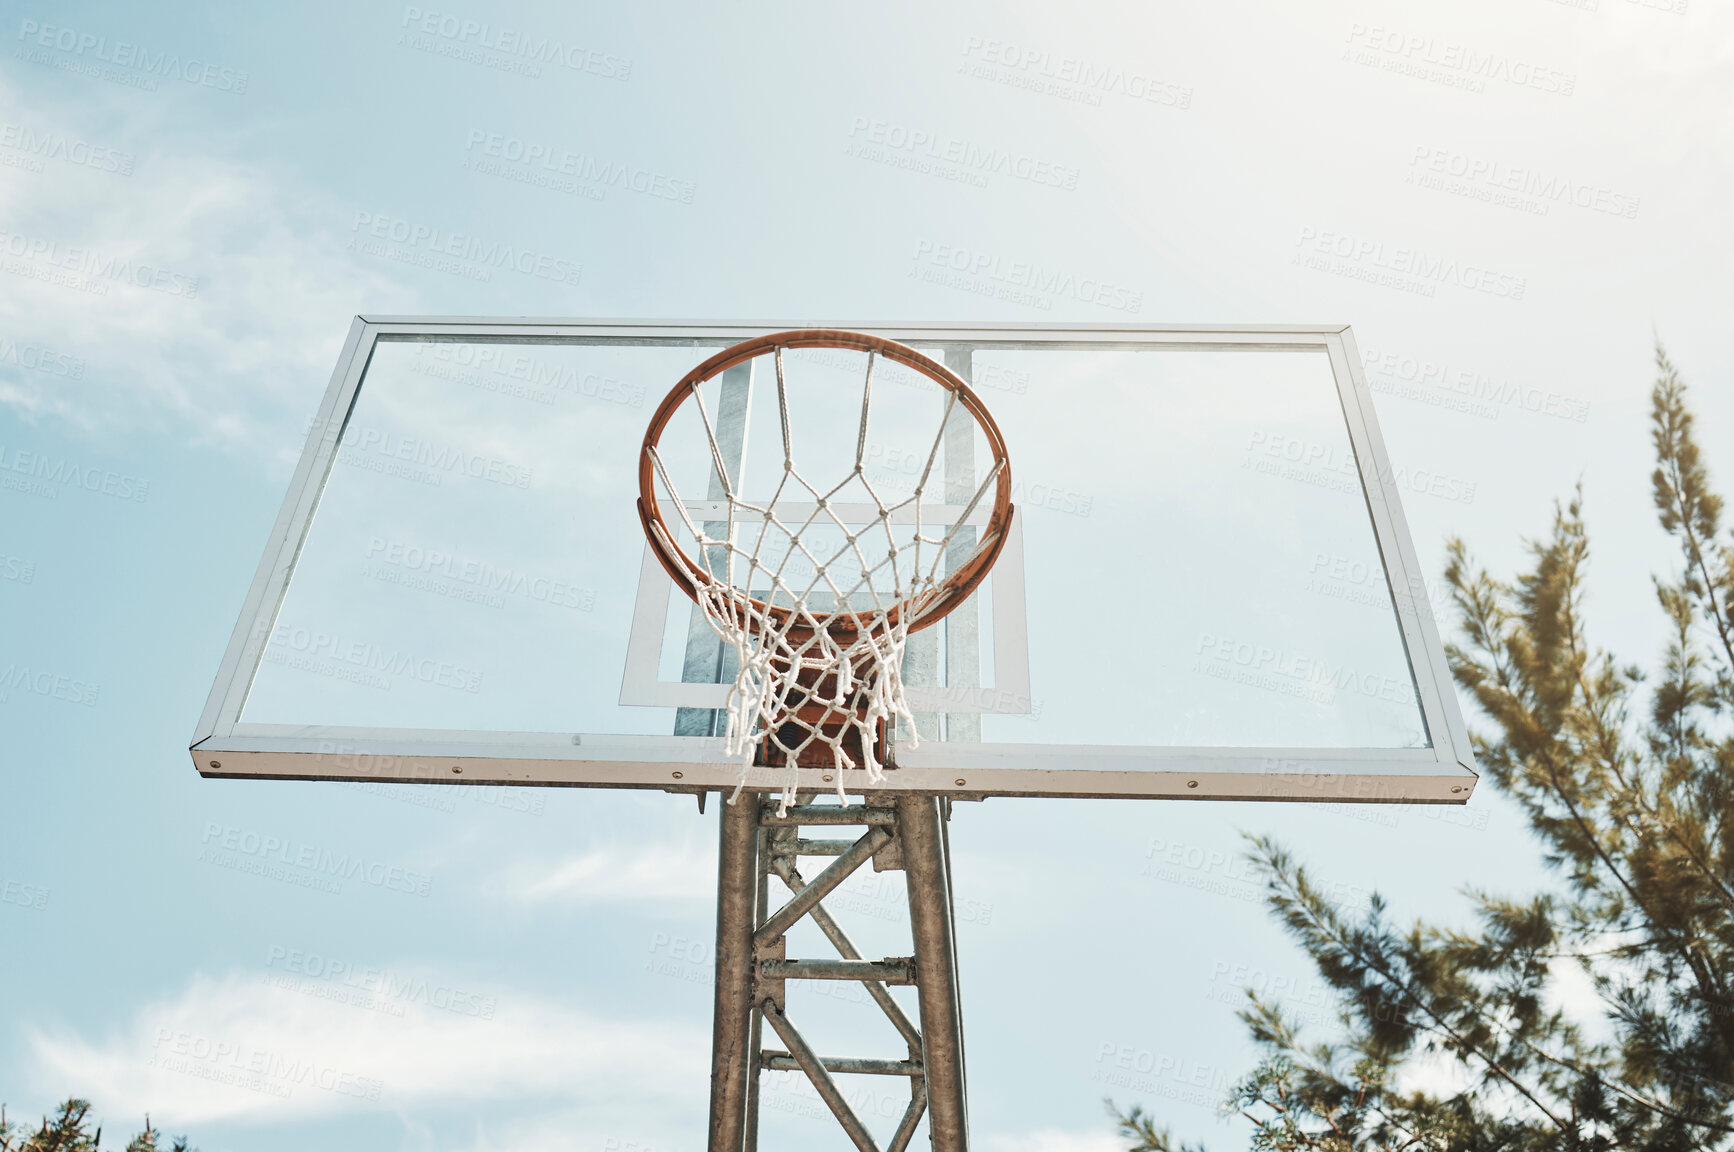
(911, 1116)
(846, 949)
(834, 874)
(813, 1065)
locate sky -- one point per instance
(1510, 203)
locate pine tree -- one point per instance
(146, 1141)
(1628, 783)
(69, 1132)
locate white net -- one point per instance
(815, 589)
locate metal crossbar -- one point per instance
(758, 843)
(783, 1062)
(828, 815)
(819, 848)
(885, 971)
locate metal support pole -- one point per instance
(731, 1026)
(929, 873)
(753, 969)
(756, 1041)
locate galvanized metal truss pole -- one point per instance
(753, 968)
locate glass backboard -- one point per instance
(1208, 592)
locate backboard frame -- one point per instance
(225, 746)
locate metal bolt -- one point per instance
(455, 768)
(959, 781)
(577, 739)
(216, 763)
(1457, 788)
(677, 775)
(1192, 783)
(827, 778)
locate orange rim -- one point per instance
(690, 576)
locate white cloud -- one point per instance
(1055, 1140)
(248, 301)
(678, 873)
(1441, 1075)
(238, 1048)
(640, 1130)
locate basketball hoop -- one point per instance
(817, 595)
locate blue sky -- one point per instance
(545, 968)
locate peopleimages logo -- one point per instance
(39, 359)
(1429, 57)
(1305, 669)
(381, 983)
(17, 569)
(1333, 467)
(371, 657)
(1226, 873)
(89, 262)
(1067, 77)
(1477, 393)
(462, 246)
(1485, 177)
(521, 374)
(44, 471)
(1364, 582)
(581, 166)
(515, 42)
(1023, 281)
(903, 470)
(167, 65)
(23, 678)
(484, 577)
(60, 146)
(439, 459)
(24, 895)
(966, 156)
(261, 1070)
(1411, 262)
(244, 850)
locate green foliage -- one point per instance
(69, 1131)
(1451, 1039)
(146, 1141)
(1139, 1126)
